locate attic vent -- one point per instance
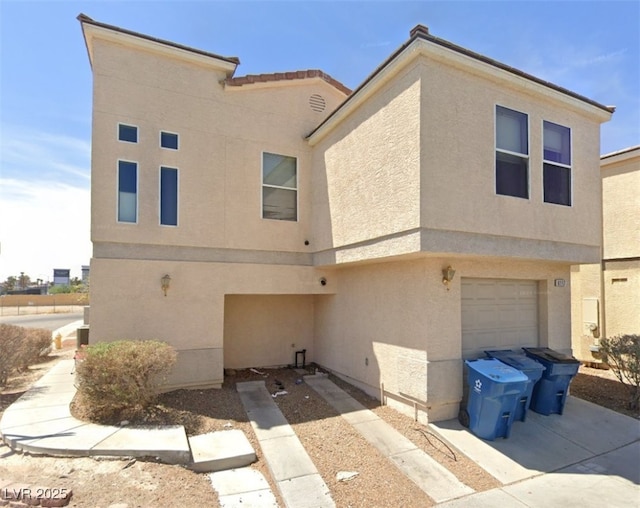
(317, 103)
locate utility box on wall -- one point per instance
(591, 317)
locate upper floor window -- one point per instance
(169, 140)
(557, 164)
(127, 191)
(127, 133)
(512, 153)
(279, 187)
(168, 196)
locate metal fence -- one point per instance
(17, 305)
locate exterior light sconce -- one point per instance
(165, 282)
(447, 276)
(323, 281)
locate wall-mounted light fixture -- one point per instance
(323, 281)
(165, 282)
(447, 276)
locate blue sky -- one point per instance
(592, 48)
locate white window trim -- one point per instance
(166, 147)
(545, 161)
(124, 140)
(262, 185)
(118, 221)
(160, 197)
(509, 152)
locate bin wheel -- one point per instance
(463, 418)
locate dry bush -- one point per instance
(21, 347)
(11, 341)
(622, 353)
(116, 379)
(37, 343)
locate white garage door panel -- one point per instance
(498, 314)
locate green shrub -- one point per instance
(118, 379)
(21, 347)
(622, 354)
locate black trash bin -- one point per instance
(82, 336)
(550, 393)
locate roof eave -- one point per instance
(91, 28)
(422, 43)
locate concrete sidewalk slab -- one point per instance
(242, 488)
(432, 478)
(296, 476)
(218, 451)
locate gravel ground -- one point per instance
(330, 441)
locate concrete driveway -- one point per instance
(588, 456)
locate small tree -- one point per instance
(622, 354)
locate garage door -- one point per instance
(498, 314)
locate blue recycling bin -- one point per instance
(529, 367)
(550, 393)
(494, 391)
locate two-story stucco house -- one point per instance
(291, 213)
(606, 296)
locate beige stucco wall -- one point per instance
(412, 168)
(266, 331)
(622, 297)
(615, 282)
(458, 163)
(621, 197)
(366, 176)
(127, 303)
(222, 134)
(396, 323)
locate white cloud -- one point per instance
(44, 226)
(44, 203)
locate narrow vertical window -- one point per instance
(279, 187)
(169, 140)
(168, 196)
(127, 191)
(512, 153)
(127, 133)
(557, 164)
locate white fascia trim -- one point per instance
(465, 63)
(620, 156)
(92, 32)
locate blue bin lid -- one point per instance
(517, 360)
(497, 371)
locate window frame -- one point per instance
(168, 147)
(118, 191)
(160, 196)
(263, 185)
(558, 164)
(526, 157)
(125, 140)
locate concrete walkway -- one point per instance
(434, 479)
(298, 480)
(40, 422)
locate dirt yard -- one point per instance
(333, 445)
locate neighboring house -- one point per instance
(290, 213)
(606, 296)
